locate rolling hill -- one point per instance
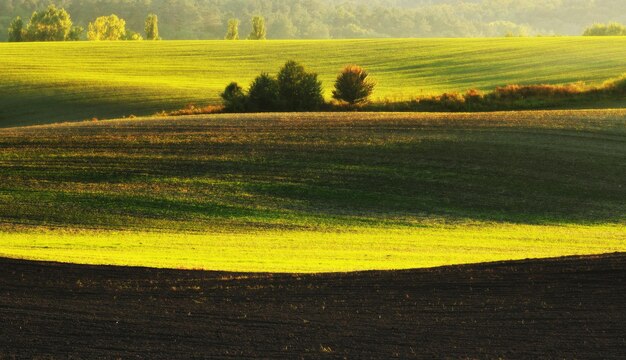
(52, 82)
(315, 192)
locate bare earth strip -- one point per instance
(566, 308)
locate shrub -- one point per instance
(191, 109)
(520, 92)
(131, 35)
(233, 98)
(353, 85)
(299, 90)
(451, 101)
(615, 85)
(473, 95)
(76, 32)
(263, 94)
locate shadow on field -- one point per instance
(540, 167)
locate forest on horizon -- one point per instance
(327, 19)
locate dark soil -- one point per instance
(563, 308)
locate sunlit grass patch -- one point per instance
(48, 82)
(310, 251)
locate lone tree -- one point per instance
(353, 86)
(107, 28)
(298, 89)
(16, 29)
(51, 24)
(233, 30)
(259, 32)
(152, 27)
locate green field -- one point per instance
(50, 82)
(315, 192)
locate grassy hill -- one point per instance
(315, 192)
(49, 82)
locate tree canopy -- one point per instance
(107, 28)
(233, 30)
(51, 24)
(259, 32)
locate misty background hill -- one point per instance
(324, 19)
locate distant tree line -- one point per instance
(55, 24)
(321, 19)
(610, 29)
(51, 24)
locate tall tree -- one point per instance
(16, 29)
(107, 28)
(51, 24)
(233, 30)
(152, 27)
(259, 32)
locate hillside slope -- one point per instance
(557, 308)
(50, 82)
(316, 192)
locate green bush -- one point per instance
(263, 94)
(298, 89)
(617, 86)
(233, 98)
(353, 85)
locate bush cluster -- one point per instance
(295, 89)
(610, 29)
(292, 89)
(511, 97)
(55, 24)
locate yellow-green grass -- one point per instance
(316, 251)
(48, 82)
(315, 192)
